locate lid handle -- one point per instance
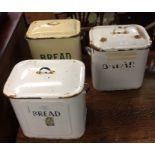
(53, 23)
(120, 30)
(45, 70)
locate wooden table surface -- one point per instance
(115, 116)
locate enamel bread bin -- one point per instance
(118, 56)
(55, 39)
(48, 97)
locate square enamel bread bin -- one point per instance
(55, 39)
(118, 56)
(48, 97)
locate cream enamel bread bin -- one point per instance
(48, 97)
(55, 39)
(118, 56)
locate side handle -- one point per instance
(88, 49)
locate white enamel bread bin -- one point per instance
(48, 97)
(118, 56)
(55, 39)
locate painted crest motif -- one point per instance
(49, 121)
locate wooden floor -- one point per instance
(116, 116)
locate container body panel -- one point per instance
(63, 48)
(118, 70)
(51, 118)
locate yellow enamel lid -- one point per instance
(63, 28)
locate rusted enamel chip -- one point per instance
(103, 39)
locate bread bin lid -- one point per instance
(119, 37)
(63, 28)
(45, 79)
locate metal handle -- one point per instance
(88, 49)
(120, 30)
(53, 23)
(47, 71)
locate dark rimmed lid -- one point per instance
(119, 37)
(45, 79)
(63, 28)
